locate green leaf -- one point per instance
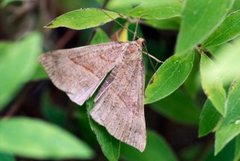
(227, 31)
(18, 62)
(199, 20)
(209, 119)
(6, 157)
(230, 125)
(213, 89)
(83, 19)
(227, 63)
(156, 150)
(37, 139)
(167, 24)
(236, 5)
(157, 10)
(179, 107)
(109, 145)
(237, 149)
(171, 74)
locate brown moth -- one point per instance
(119, 104)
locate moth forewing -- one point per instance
(119, 102)
(119, 105)
(79, 71)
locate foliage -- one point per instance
(37, 121)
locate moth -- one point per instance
(116, 66)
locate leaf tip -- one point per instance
(49, 25)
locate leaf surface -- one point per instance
(199, 20)
(33, 138)
(83, 19)
(169, 76)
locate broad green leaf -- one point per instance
(18, 62)
(168, 24)
(209, 119)
(227, 31)
(230, 126)
(237, 149)
(109, 145)
(157, 10)
(170, 75)
(33, 138)
(179, 107)
(227, 63)
(199, 20)
(83, 19)
(6, 157)
(236, 5)
(156, 150)
(213, 89)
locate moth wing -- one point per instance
(119, 105)
(79, 71)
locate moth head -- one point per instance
(135, 49)
(140, 41)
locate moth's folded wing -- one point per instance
(119, 106)
(79, 71)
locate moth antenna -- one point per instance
(153, 57)
(147, 53)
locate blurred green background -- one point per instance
(46, 125)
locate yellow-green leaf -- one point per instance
(18, 62)
(83, 18)
(227, 31)
(209, 119)
(230, 126)
(199, 20)
(170, 75)
(213, 89)
(33, 138)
